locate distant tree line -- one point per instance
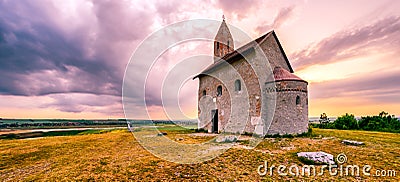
(382, 122)
(29, 123)
(58, 123)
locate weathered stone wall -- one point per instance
(238, 117)
(222, 50)
(211, 101)
(290, 118)
(253, 97)
(286, 118)
(275, 57)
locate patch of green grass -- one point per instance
(88, 132)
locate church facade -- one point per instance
(234, 97)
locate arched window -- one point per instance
(217, 45)
(297, 100)
(204, 92)
(228, 43)
(238, 85)
(219, 90)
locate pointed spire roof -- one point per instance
(223, 34)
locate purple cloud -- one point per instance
(379, 88)
(382, 35)
(78, 103)
(283, 15)
(39, 57)
(239, 8)
(84, 52)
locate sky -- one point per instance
(66, 59)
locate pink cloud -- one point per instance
(241, 9)
(283, 15)
(381, 36)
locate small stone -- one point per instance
(352, 142)
(161, 134)
(317, 157)
(226, 139)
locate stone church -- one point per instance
(234, 98)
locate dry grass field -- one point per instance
(116, 155)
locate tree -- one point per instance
(347, 121)
(383, 114)
(382, 122)
(324, 118)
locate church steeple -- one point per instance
(223, 42)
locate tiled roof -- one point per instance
(281, 74)
(238, 52)
(242, 49)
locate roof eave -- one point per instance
(287, 80)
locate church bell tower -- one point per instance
(223, 41)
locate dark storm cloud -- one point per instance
(380, 88)
(31, 54)
(37, 57)
(382, 35)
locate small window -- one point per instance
(219, 90)
(298, 100)
(217, 45)
(238, 85)
(204, 92)
(228, 44)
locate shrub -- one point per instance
(382, 122)
(345, 122)
(201, 130)
(306, 134)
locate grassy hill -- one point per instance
(116, 155)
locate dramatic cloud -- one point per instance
(77, 47)
(69, 48)
(69, 57)
(39, 55)
(283, 15)
(381, 36)
(378, 88)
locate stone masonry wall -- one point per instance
(287, 118)
(239, 120)
(271, 49)
(290, 118)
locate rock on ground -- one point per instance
(317, 157)
(161, 134)
(226, 139)
(351, 142)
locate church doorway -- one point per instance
(214, 120)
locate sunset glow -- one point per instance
(66, 59)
